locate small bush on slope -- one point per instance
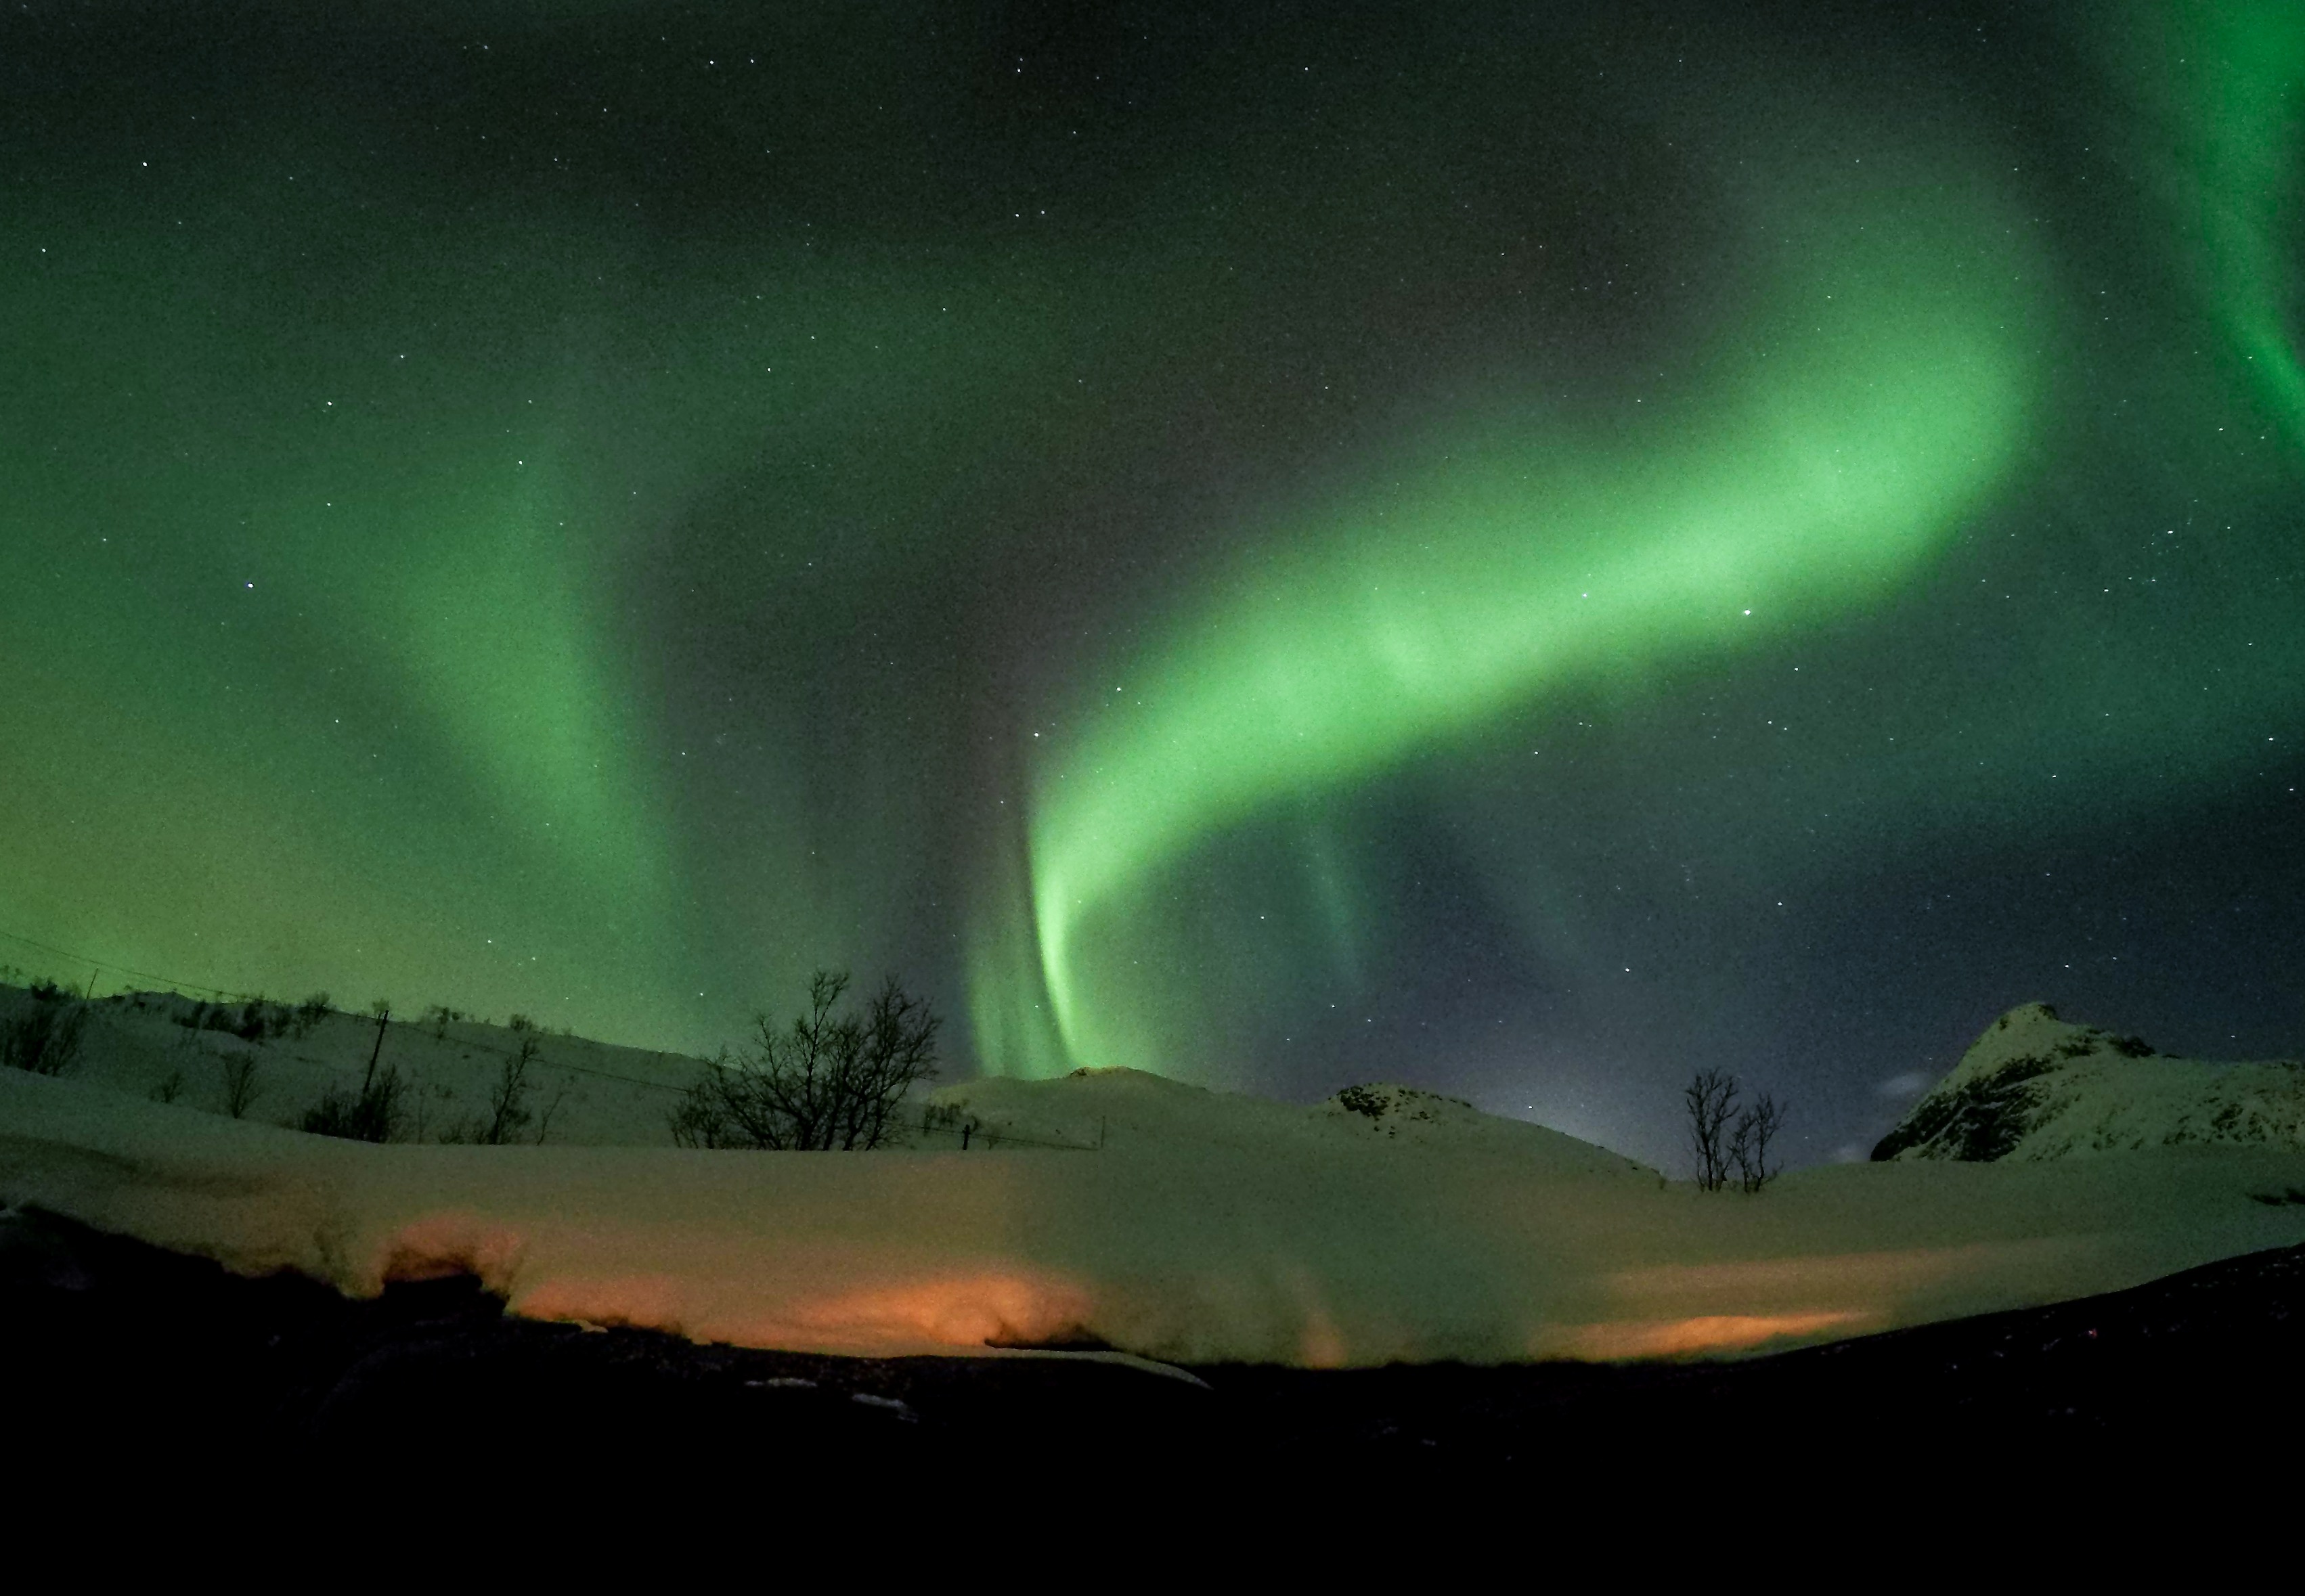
(371, 1114)
(311, 1012)
(241, 1088)
(45, 1038)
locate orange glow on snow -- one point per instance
(991, 1308)
(1710, 1332)
(1688, 1310)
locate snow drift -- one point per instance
(1207, 1227)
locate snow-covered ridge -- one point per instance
(1113, 1207)
(1210, 1228)
(1092, 1108)
(2037, 1087)
(158, 1046)
(163, 1046)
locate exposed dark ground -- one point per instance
(110, 1348)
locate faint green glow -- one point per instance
(2241, 64)
(318, 605)
(492, 631)
(1829, 453)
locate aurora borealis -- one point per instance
(1520, 549)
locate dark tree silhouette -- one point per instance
(508, 1114)
(827, 1082)
(45, 1037)
(240, 1087)
(1749, 1143)
(311, 1012)
(1710, 1100)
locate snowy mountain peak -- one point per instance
(2034, 1031)
(2034, 1086)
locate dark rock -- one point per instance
(114, 1348)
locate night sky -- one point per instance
(1523, 549)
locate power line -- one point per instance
(81, 958)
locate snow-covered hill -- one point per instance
(174, 1049)
(2036, 1087)
(1115, 1207)
(1096, 1108)
(164, 1047)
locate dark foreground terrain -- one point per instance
(111, 1348)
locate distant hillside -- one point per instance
(2036, 1087)
(1096, 1107)
(179, 1051)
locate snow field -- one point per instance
(1209, 1228)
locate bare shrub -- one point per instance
(170, 1088)
(544, 1120)
(311, 1012)
(258, 1019)
(423, 1093)
(829, 1081)
(371, 1114)
(700, 1120)
(240, 1083)
(44, 1038)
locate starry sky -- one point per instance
(1523, 549)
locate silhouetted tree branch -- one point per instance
(1710, 1100)
(508, 1112)
(1749, 1138)
(828, 1082)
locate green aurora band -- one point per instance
(2241, 110)
(331, 497)
(1828, 454)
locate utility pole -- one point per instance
(383, 1018)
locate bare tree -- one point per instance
(1710, 1099)
(828, 1082)
(44, 1038)
(240, 1084)
(1749, 1138)
(544, 1120)
(311, 1012)
(508, 1114)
